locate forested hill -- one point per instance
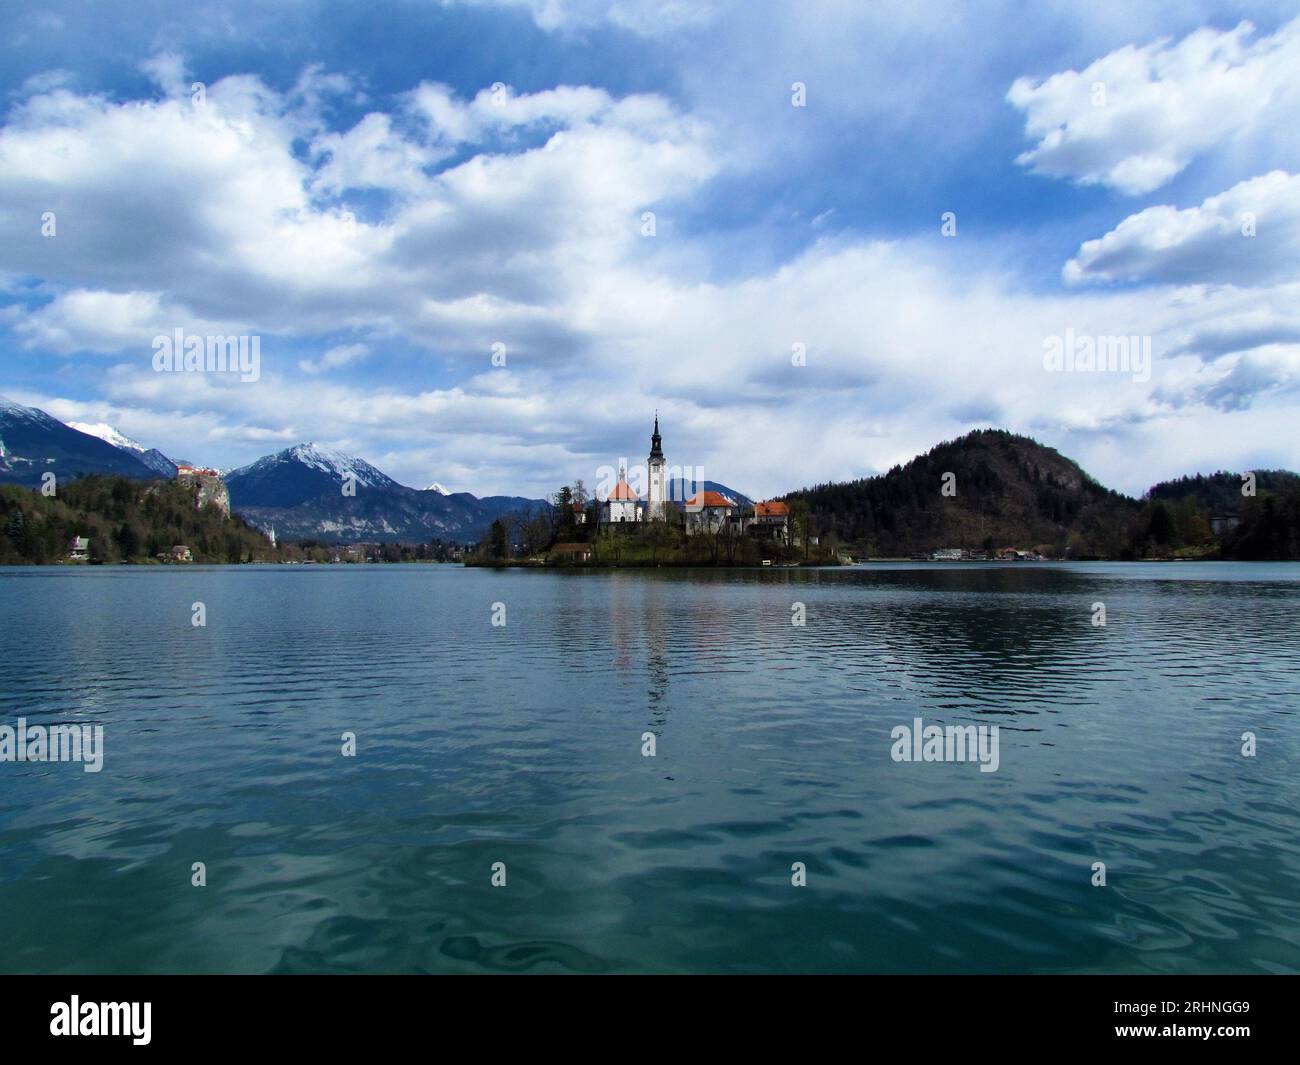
(1011, 491)
(1264, 524)
(1008, 490)
(124, 520)
(1220, 493)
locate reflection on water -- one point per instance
(522, 745)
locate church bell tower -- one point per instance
(658, 488)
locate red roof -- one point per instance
(623, 490)
(771, 510)
(708, 499)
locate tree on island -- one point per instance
(566, 523)
(499, 539)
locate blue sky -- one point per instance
(350, 188)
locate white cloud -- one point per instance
(499, 108)
(212, 207)
(1159, 106)
(99, 322)
(335, 357)
(373, 155)
(44, 82)
(1248, 235)
(167, 71)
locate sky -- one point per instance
(481, 242)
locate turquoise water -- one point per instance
(522, 744)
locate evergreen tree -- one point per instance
(499, 542)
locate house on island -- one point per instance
(1222, 524)
(771, 521)
(708, 512)
(79, 549)
(181, 553)
(570, 553)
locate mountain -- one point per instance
(681, 489)
(1008, 491)
(302, 473)
(33, 443)
(151, 457)
(300, 491)
(436, 487)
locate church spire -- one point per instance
(656, 451)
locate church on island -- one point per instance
(706, 511)
(623, 504)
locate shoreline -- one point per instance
(543, 565)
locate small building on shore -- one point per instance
(570, 553)
(1222, 524)
(79, 549)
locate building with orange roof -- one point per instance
(771, 521)
(708, 511)
(623, 504)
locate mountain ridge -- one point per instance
(312, 492)
(150, 456)
(34, 443)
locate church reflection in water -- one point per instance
(639, 638)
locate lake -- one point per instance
(486, 751)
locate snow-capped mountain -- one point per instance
(301, 491)
(150, 456)
(436, 487)
(300, 473)
(106, 433)
(336, 464)
(33, 442)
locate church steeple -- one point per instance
(656, 467)
(656, 451)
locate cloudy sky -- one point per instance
(386, 194)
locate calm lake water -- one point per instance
(522, 744)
